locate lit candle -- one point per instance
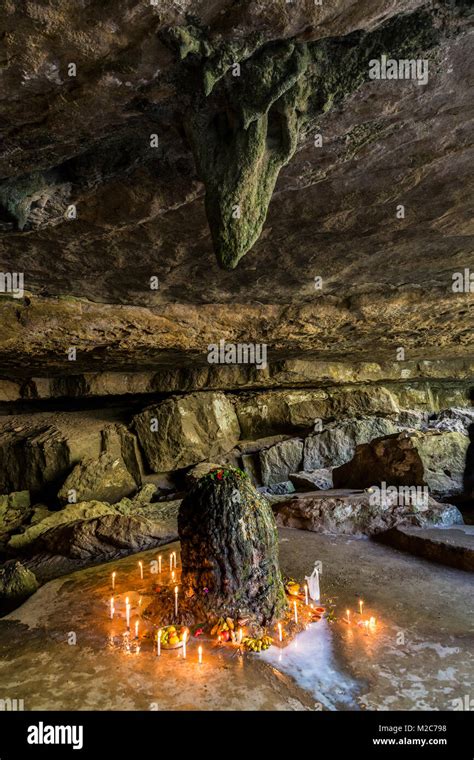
(280, 632)
(171, 561)
(306, 593)
(173, 554)
(158, 643)
(296, 612)
(112, 608)
(113, 580)
(361, 605)
(366, 627)
(172, 575)
(241, 633)
(372, 622)
(140, 565)
(176, 601)
(348, 618)
(185, 634)
(159, 564)
(127, 611)
(136, 629)
(200, 654)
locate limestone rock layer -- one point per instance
(140, 141)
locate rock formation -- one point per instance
(183, 431)
(229, 551)
(129, 146)
(356, 514)
(432, 459)
(17, 583)
(105, 478)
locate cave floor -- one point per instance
(60, 650)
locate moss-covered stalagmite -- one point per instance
(229, 551)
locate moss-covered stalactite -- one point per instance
(243, 103)
(248, 102)
(241, 136)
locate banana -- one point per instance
(257, 645)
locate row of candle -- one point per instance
(128, 606)
(370, 623)
(176, 591)
(173, 566)
(127, 613)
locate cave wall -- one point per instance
(42, 437)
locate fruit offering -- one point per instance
(257, 645)
(224, 629)
(173, 637)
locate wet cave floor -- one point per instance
(61, 650)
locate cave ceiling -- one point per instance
(135, 117)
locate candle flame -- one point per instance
(200, 654)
